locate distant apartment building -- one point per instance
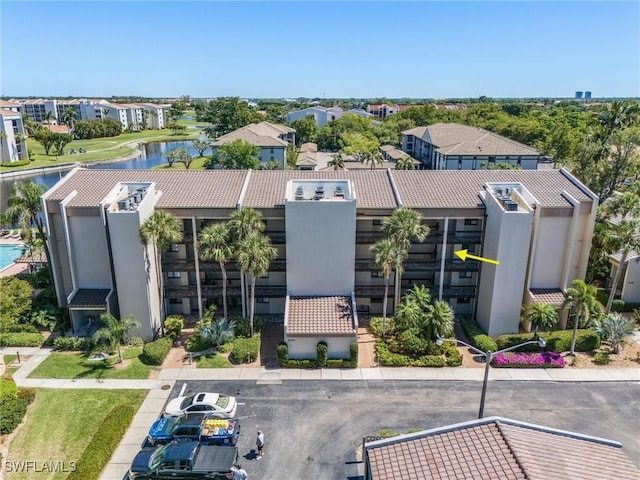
(10, 105)
(451, 146)
(324, 115)
(12, 145)
(537, 224)
(384, 110)
(155, 117)
(272, 140)
(578, 95)
(37, 109)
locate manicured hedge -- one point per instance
(477, 337)
(453, 357)
(13, 405)
(154, 353)
(387, 358)
(322, 353)
(245, 349)
(283, 353)
(21, 339)
(558, 341)
(70, 344)
(21, 328)
(103, 443)
(173, 325)
(17, 163)
(353, 354)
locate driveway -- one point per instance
(314, 430)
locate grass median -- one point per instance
(62, 426)
(78, 365)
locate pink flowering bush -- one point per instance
(528, 360)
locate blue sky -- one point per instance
(314, 49)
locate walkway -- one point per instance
(161, 387)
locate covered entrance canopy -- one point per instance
(85, 309)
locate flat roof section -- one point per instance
(90, 298)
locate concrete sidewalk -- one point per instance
(160, 388)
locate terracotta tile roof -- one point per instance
(58, 128)
(8, 112)
(320, 316)
(459, 188)
(497, 448)
(90, 297)
(550, 296)
(308, 157)
(251, 137)
(180, 189)
(6, 104)
(308, 147)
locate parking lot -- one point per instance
(314, 429)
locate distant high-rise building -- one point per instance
(578, 94)
(587, 94)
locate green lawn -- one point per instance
(186, 121)
(8, 371)
(214, 361)
(60, 425)
(197, 164)
(76, 365)
(98, 148)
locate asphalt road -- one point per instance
(314, 429)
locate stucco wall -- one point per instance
(90, 252)
(306, 347)
(551, 249)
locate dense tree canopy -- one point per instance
(238, 154)
(227, 114)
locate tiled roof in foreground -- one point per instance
(550, 296)
(320, 316)
(266, 188)
(498, 448)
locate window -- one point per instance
(377, 274)
(271, 152)
(262, 300)
(173, 274)
(377, 221)
(470, 247)
(465, 275)
(471, 221)
(376, 300)
(174, 301)
(173, 247)
(464, 300)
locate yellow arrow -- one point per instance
(464, 255)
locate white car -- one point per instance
(204, 402)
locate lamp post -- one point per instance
(487, 358)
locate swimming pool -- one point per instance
(8, 253)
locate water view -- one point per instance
(151, 155)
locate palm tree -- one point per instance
(69, 117)
(24, 207)
(114, 331)
(374, 158)
(255, 254)
(541, 315)
(614, 328)
(48, 117)
(242, 223)
(405, 163)
(439, 321)
(218, 332)
(384, 257)
(3, 137)
(337, 162)
(162, 230)
(215, 245)
(581, 298)
(402, 227)
(624, 235)
(407, 315)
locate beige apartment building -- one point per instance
(537, 224)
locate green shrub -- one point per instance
(17, 163)
(340, 363)
(196, 343)
(21, 339)
(453, 357)
(13, 405)
(601, 358)
(242, 326)
(173, 325)
(226, 347)
(587, 340)
(103, 443)
(630, 307)
(72, 344)
(510, 340)
(429, 361)
(353, 353)
(20, 328)
(283, 353)
(322, 353)
(477, 337)
(411, 342)
(557, 341)
(375, 326)
(245, 350)
(617, 305)
(386, 358)
(305, 363)
(154, 353)
(135, 342)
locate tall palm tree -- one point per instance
(254, 256)
(337, 162)
(215, 245)
(541, 315)
(384, 257)
(24, 207)
(581, 298)
(3, 137)
(439, 321)
(624, 235)
(242, 223)
(114, 331)
(48, 117)
(162, 230)
(373, 158)
(69, 117)
(403, 226)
